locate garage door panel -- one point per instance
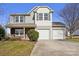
(58, 34)
(43, 34)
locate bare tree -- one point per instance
(70, 15)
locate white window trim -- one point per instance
(19, 32)
(19, 19)
(43, 17)
(15, 19)
(38, 17)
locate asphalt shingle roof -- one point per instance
(58, 24)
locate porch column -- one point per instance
(24, 33)
(10, 32)
(35, 18)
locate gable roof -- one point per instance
(16, 14)
(33, 10)
(37, 7)
(58, 24)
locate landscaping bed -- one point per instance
(16, 48)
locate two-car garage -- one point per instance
(58, 32)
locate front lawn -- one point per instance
(74, 39)
(16, 48)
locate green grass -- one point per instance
(16, 48)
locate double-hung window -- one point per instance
(19, 32)
(43, 16)
(19, 19)
(46, 16)
(40, 16)
(16, 19)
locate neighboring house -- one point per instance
(40, 19)
(76, 33)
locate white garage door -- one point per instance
(43, 34)
(58, 34)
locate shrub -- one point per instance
(2, 33)
(33, 35)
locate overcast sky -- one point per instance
(11, 8)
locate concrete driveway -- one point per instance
(56, 48)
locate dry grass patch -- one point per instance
(74, 38)
(16, 48)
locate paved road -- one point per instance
(55, 48)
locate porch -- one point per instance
(20, 32)
(20, 29)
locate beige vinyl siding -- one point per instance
(27, 19)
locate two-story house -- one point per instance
(40, 19)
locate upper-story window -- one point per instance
(16, 19)
(19, 19)
(40, 16)
(43, 16)
(46, 16)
